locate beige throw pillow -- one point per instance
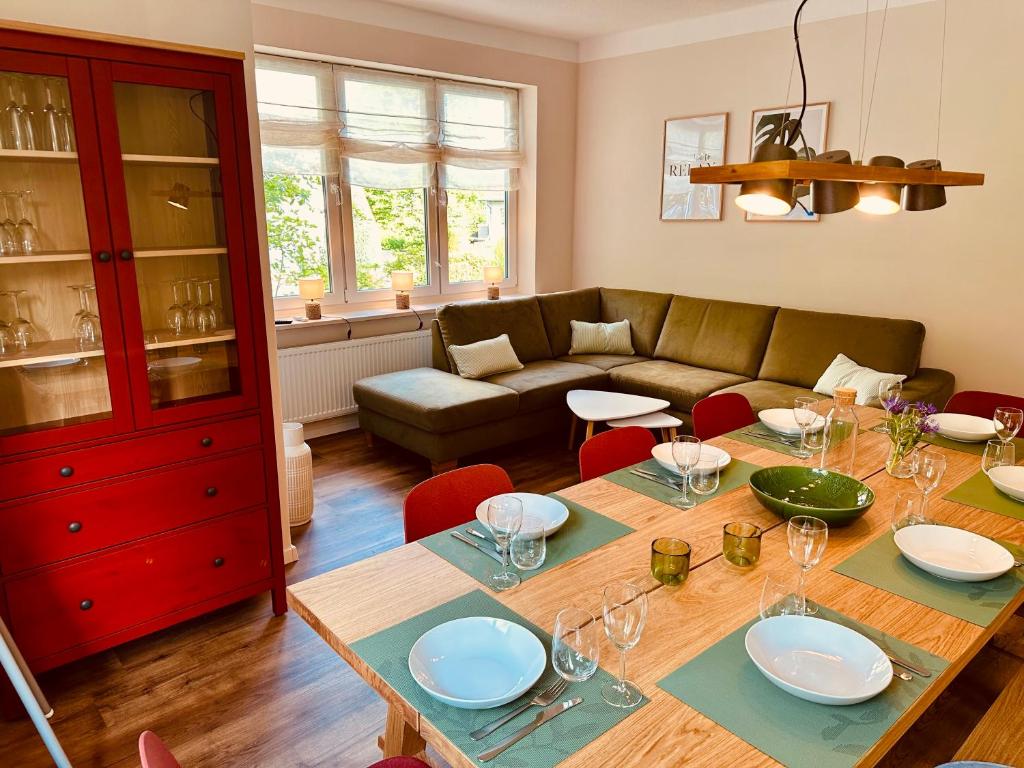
(844, 372)
(484, 358)
(600, 338)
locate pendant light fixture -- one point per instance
(834, 196)
(881, 199)
(768, 197)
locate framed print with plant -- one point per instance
(766, 123)
(689, 142)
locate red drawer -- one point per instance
(56, 610)
(71, 468)
(34, 533)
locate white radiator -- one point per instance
(316, 381)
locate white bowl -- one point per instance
(783, 421)
(171, 364)
(663, 455)
(553, 512)
(477, 662)
(1009, 480)
(953, 553)
(818, 660)
(965, 428)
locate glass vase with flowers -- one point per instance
(906, 423)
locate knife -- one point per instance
(899, 662)
(550, 713)
(476, 534)
(771, 438)
(655, 478)
(491, 554)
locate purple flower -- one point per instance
(895, 404)
(926, 409)
(928, 426)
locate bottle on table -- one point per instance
(841, 427)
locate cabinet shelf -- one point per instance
(153, 253)
(38, 154)
(48, 352)
(169, 160)
(45, 256)
(166, 340)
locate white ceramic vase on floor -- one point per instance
(298, 461)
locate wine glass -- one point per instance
(805, 415)
(85, 327)
(13, 121)
(908, 510)
(777, 597)
(65, 123)
(929, 467)
(998, 454)
(210, 305)
(575, 645)
(504, 517)
(807, 539)
(22, 331)
(8, 230)
(1007, 422)
(686, 454)
(28, 237)
(189, 304)
(28, 131)
(625, 613)
(6, 338)
(204, 317)
(51, 120)
(177, 316)
(704, 477)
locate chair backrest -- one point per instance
(983, 404)
(613, 450)
(718, 414)
(451, 498)
(400, 762)
(153, 752)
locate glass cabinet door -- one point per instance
(59, 324)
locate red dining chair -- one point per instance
(154, 753)
(451, 498)
(400, 762)
(718, 414)
(983, 404)
(613, 450)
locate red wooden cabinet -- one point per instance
(138, 480)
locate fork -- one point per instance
(542, 699)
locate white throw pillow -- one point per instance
(600, 338)
(844, 372)
(484, 358)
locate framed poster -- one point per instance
(688, 142)
(815, 133)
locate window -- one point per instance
(367, 172)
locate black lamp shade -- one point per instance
(924, 197)
(833, 196)
(881, 198)
(768, 197)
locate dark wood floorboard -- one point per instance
(239, 687)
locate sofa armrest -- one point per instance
(438, 354)
(932, 385)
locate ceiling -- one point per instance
(575, 19)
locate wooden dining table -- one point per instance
(358, 600)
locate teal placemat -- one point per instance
(760, 436)
(974, 448)
(732, 477)
(724, 685)
(977, 491)
(585, 530)
(881, 565)
(387, 652)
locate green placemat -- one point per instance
(760, 436)
(974, 448)
(881, 565)
(724, 685)
(977, 491)
(387, 652)
(585, 530)
(732, 477)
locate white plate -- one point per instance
(781, 420)
(553, 512)
(663, 455)
(953, 553)
(1009, 480)
(168, 364)
(477, 662)
(53, 363)
(818, 660)
(968, 429)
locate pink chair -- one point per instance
(614, 450)
(154, 753)
(983, 404)
(451, 498)
(400, 762)
(718, 414)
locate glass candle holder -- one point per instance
(670, 561)
(741, 543)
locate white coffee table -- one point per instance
(591, 405)
(664, 422)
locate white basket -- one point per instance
(298, 462)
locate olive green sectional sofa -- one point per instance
(685, 348)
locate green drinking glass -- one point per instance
(741, 543)
(670, 561)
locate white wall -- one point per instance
(958, 269)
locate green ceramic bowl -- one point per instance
(789, 491)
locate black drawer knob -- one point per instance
(211, 491)
(218, 562)
(67, 471)
(206, 442)
(125, 255)
(103, 256)
(85, 605)
(74, 527)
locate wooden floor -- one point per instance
(239, 687)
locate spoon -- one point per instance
(903, 675)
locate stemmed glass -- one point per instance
(28, 131)
(204, 316)
(804, 414)
(6, 337)
(17, 132)
(177, 315)
(51, 120)
(85, 327)
(929, 467)
(1007, 422)
(189, 304)
(625, 613)
(575, 645)
(22, 331)
(8, 230)
(27, 237)
(686, 454)
(889, 390)
(65, 124)
(807, 539)
(504, 516)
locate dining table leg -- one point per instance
(400, 738)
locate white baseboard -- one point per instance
(330, 426)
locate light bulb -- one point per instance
(763, 205)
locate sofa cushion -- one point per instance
(770, 394)
(682, 385)
(434, 400)
(520, 318)
(601, 338)
(721, 335)
(645, 311)
(604, 362)
(802, 345)
(484, 358)
(543, 383)
(557, 309)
